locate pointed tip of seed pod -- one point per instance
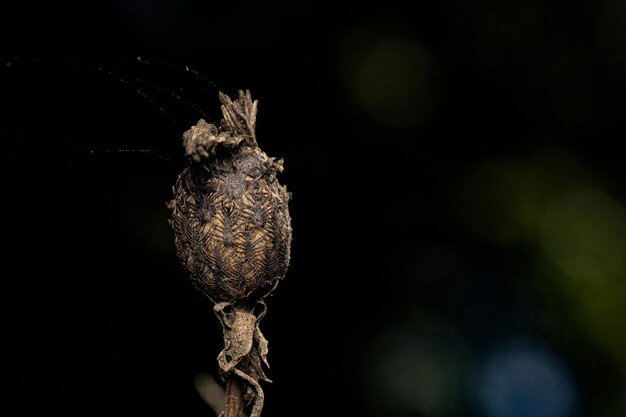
(239, 116)
(224, 99)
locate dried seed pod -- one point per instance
(233, 234)
(229, 212)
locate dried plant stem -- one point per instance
(235, 389)
(239, 386)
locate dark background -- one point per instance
(458, 204)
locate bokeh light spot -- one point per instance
(504, 200)
(392, 82)
(418, 372)
(584, 234)
(525, 382)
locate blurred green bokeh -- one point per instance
(549, 203)
(392, 83)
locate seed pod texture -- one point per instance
(229, 212)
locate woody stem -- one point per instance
(235, 389)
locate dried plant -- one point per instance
(233, 235)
